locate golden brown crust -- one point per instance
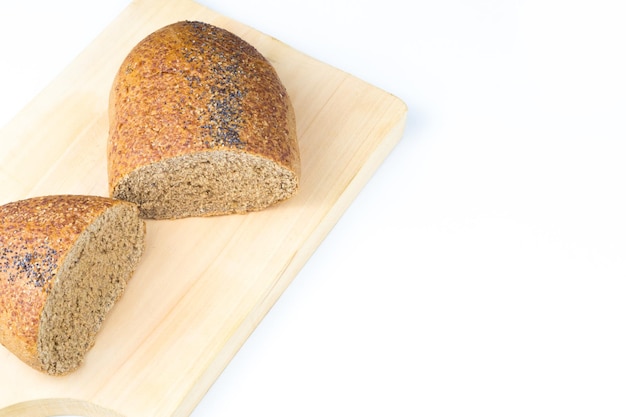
(192, 87)
(35, 235)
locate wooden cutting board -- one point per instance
(203, 284)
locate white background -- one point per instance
(482, 270)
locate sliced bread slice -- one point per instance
(64, 261)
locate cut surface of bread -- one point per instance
(207, 183)
(64, 262)
(200, 124)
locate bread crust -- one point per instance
(35, 236)
(193, 87)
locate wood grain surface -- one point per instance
(205, 283)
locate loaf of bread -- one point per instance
(64, 261)
(200, 125)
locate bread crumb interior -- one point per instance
(91, 279)
(207, 183)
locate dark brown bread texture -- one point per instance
(200, 124)
(64, 262)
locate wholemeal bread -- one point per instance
(200, 124)
(64, 261)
